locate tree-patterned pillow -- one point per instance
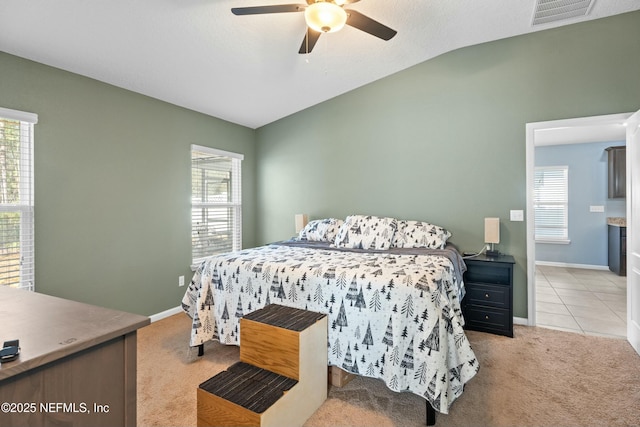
(419, 234)
(321, 230)
(366, 232)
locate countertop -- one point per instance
(617, 221)
(50, 328)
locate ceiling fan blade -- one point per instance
(368, 25)
(257, 10)
(309, 41)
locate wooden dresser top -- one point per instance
(50, 328)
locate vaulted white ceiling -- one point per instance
(246, 69)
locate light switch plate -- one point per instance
(597, 208)
(516, 215)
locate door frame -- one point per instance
(633, 251)
(531, 130)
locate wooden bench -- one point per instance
(281, 377)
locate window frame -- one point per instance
(563, 203)
(235, 203)
(25, 205)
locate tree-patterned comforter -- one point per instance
(393, 314)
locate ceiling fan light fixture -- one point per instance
(325, 17)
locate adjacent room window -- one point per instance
(216, 202)
(16, 199)
(551, 204)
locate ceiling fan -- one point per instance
(323, 16)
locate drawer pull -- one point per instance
(486, 317)
(486, 295)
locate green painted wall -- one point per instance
(444, 141)
(113, 185)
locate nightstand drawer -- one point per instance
(488, 319)
(488, 272)
(488, 295)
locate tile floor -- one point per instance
(592, 302)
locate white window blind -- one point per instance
(551, 203)
(16, 199)
(216, 202)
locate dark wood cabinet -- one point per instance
(617, 172)
(618, 249)
(488, 302)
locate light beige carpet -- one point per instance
(539, 378)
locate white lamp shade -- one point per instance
(492, 230)
(301, 221)
(325, 17)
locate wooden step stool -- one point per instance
(281, 379)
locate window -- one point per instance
(551, 204)
(216, 205)
(16, 199)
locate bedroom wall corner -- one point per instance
(444, 141)
(113, 185)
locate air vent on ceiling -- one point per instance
(558, 10)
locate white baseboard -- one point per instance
(521, 321)
(569, 265)
(166, 313)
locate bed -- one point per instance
(391, 289)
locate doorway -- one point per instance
(577, 130)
